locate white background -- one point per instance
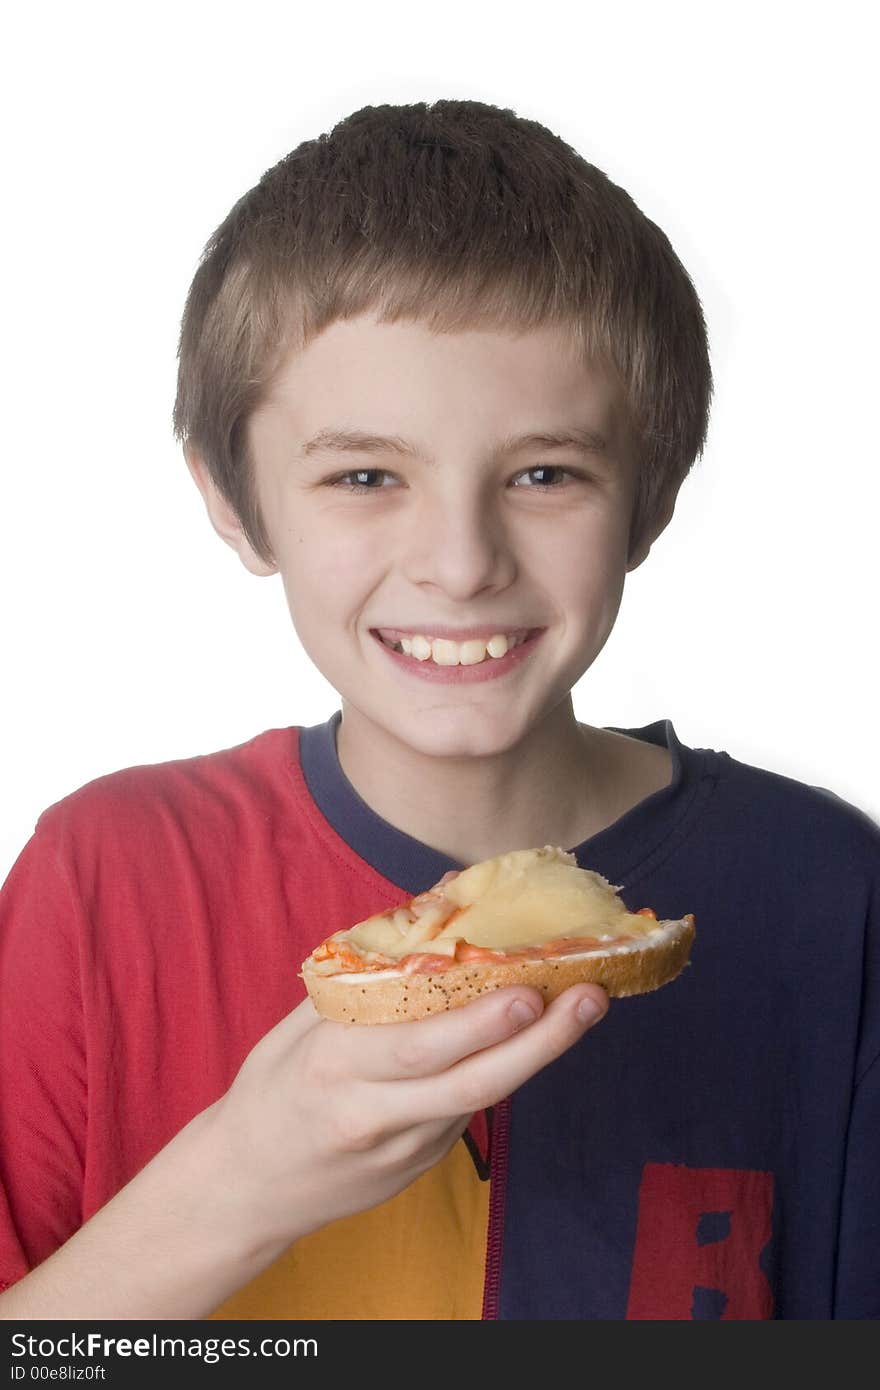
(131, 633)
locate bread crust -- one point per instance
(390, 997)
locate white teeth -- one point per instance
(472, 653)
(444, 652)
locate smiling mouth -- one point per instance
(442, 651)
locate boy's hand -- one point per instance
(325, 1119)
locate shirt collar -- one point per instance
(618, 851)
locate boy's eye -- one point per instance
(549, 479)
(547, 471)
(359, 475)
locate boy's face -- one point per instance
(451, 528)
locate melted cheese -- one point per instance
(524, 898)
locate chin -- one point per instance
(461, 733)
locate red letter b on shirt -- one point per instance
(699, 1240)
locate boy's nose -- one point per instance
(461, 546)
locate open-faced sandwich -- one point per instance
(528, 917)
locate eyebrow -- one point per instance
(340, 441)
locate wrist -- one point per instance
(225, 1202)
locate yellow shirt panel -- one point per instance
(420, 1255)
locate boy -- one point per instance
(446, 379)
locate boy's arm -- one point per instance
(857, 1292)
(323, 1120)
(160, 1249)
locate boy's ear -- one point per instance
(223, 517)
(643, 549)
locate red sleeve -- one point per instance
(43, 1085)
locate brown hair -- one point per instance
(459, 214)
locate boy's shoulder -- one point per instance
(790, 812)
(759, 811)
(200, 784)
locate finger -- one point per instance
(425, 1046)
(291, 1029)
(489, 1076)
(421, 1145)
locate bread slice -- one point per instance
(528, 917)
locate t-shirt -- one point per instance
(711, 1150)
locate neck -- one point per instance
(549, 789)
